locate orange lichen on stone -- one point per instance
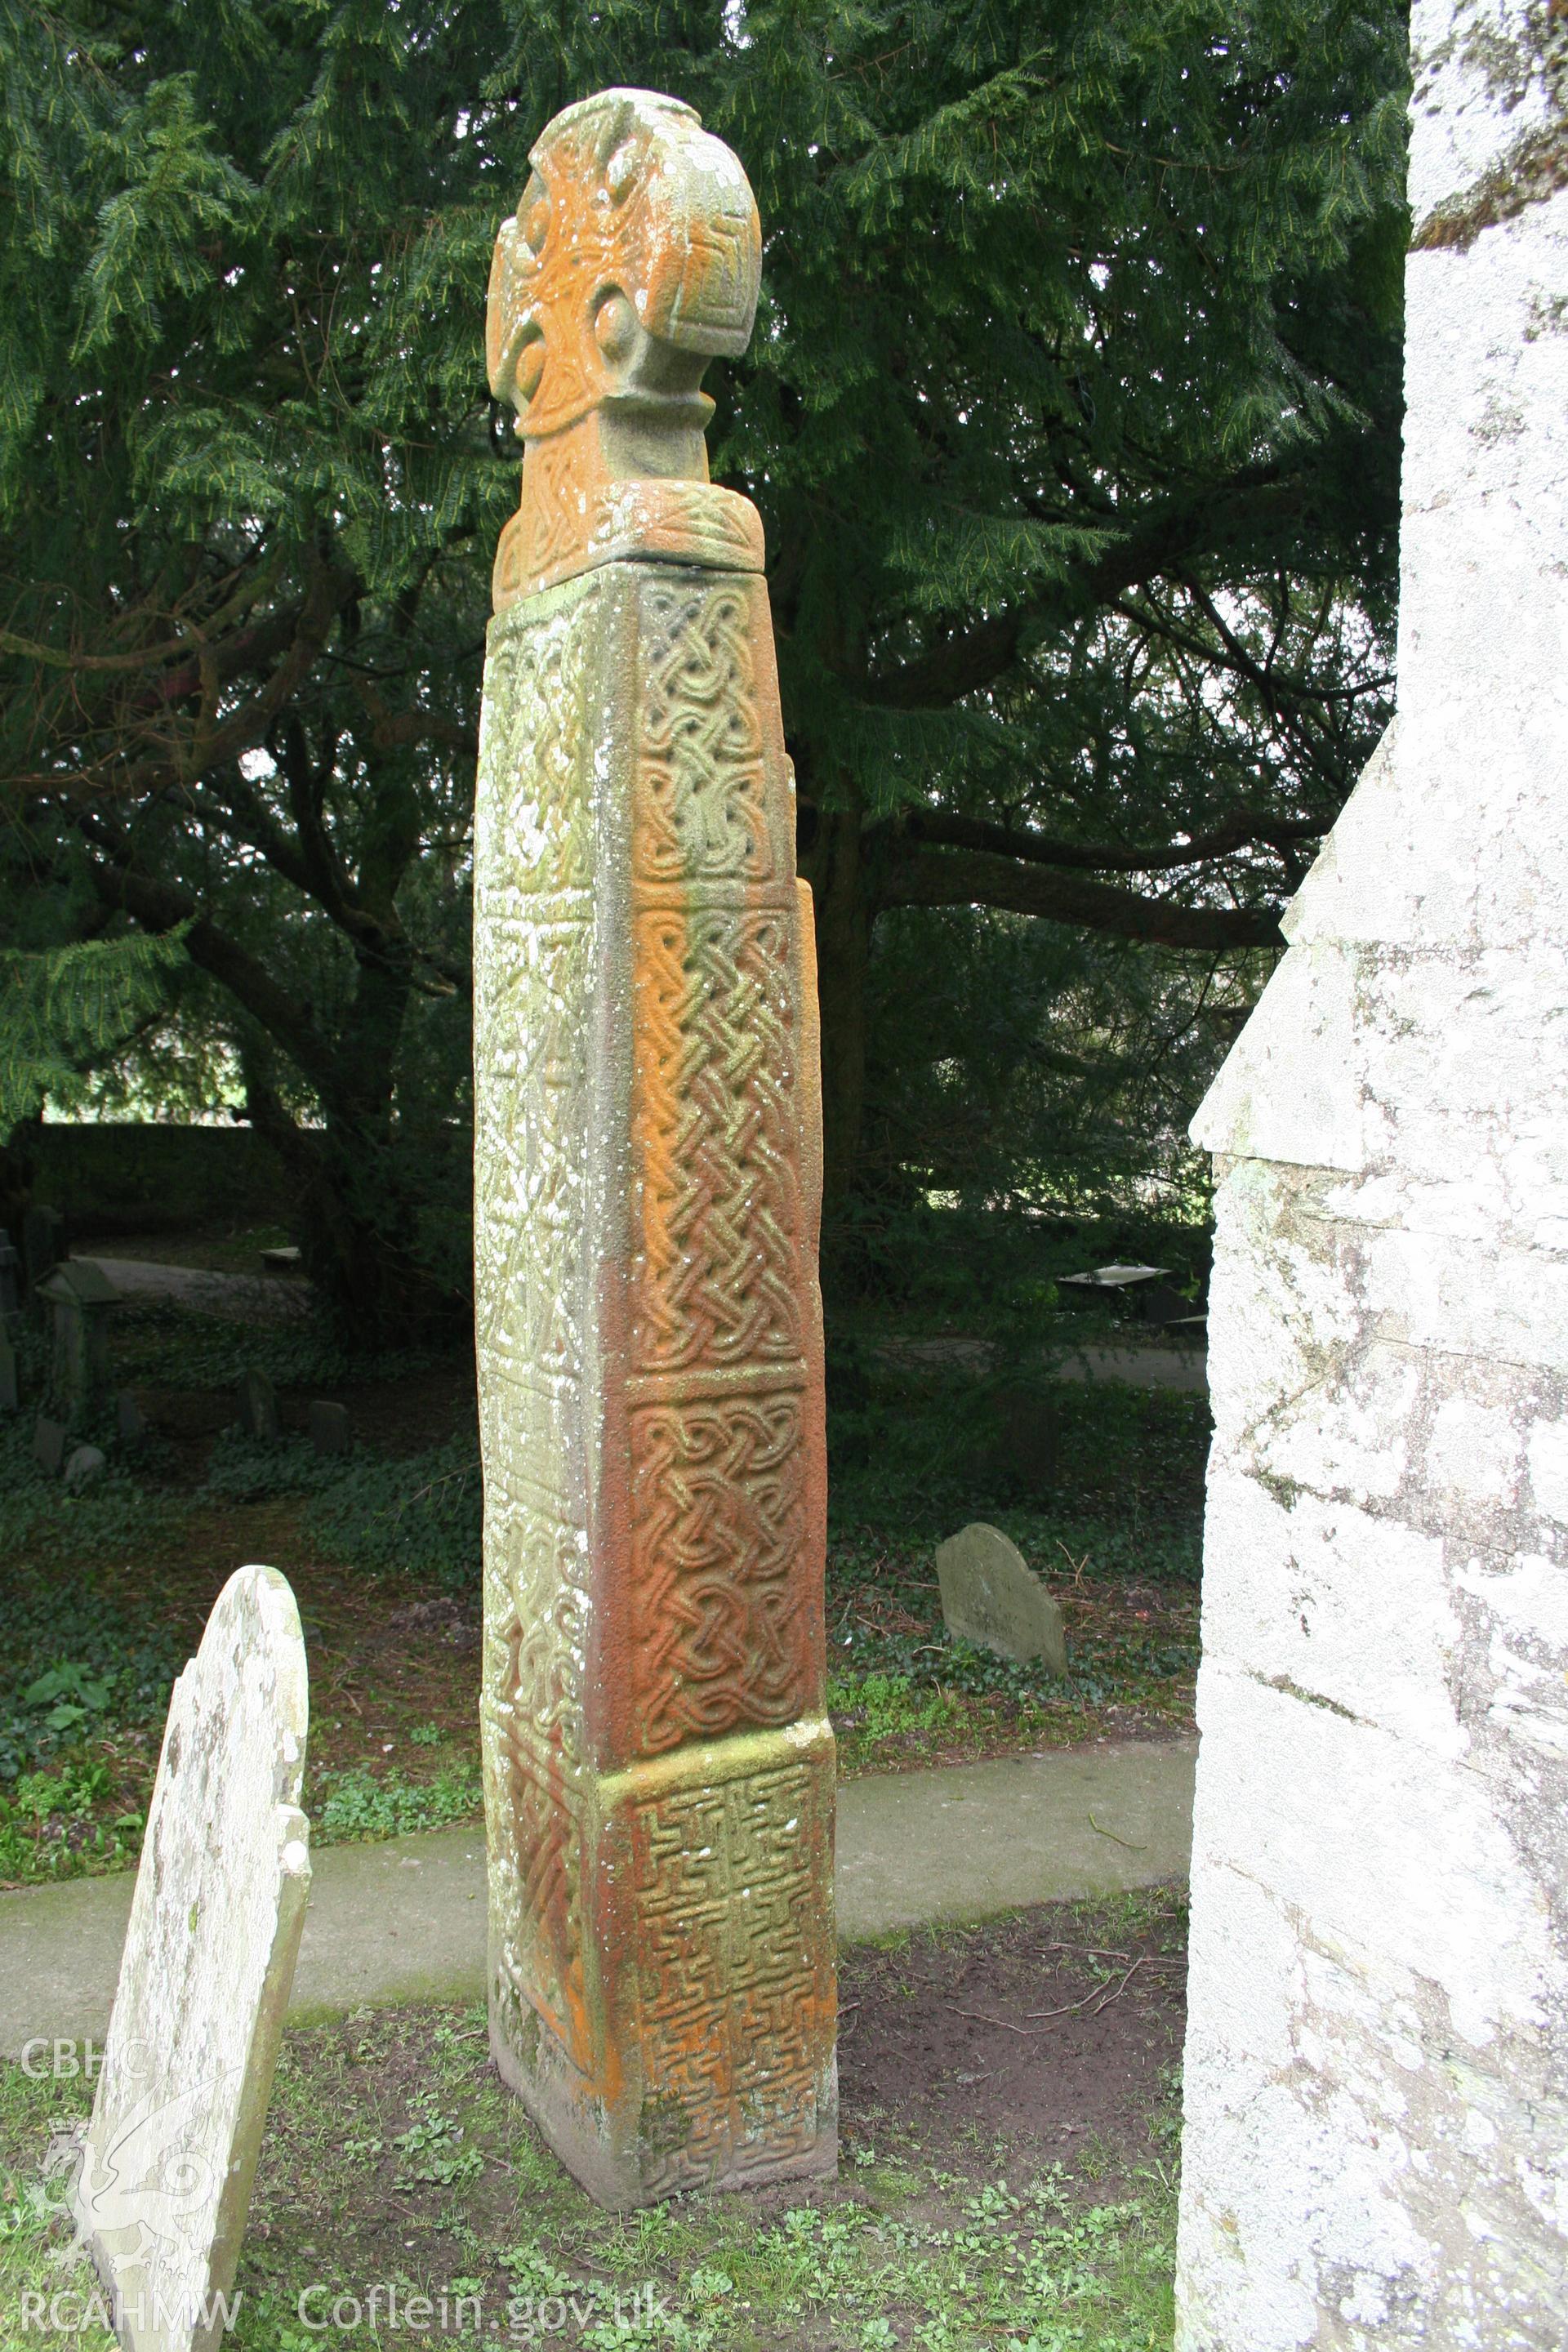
(659, 1768)
(632, 261)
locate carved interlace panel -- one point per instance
(534, 940)
(658, 1776)
(716, 1131)
(718, 1521)
(731, 2021)
(705, 805)
(672, 832)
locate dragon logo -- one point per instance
(135, 2190)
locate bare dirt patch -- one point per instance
(1055, 2033)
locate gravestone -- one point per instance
(81, 1298)
(258, 1407)
(990, 1595)
(49, 1444)
(10, 1384)
(1112, 1277)
(1376, 2080)
(130, 1421)
(10, 1276)
(660, 1766)
(43, 1245)
(85, 1468)
(160, 2196)
(329, 1428)
(1158, 1302)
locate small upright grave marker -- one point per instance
(85, 1468)
(49, 1444)
(10, 1275)
(43, 1245)
(991, 1595)
(81, 1296)
(10, 1387)
(160, 2196)
(329, 1431)
(258, 1407)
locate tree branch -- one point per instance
(977, 657)
(911, 876)
(161, 907)
(1246, 828)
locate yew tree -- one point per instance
(1072, 412)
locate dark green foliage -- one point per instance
(418, 1518)
(73, 1663)
(251, 1469)
(1072, 412)
(59, 1533)
(64, 1008)
(1017, 1065)
(1127, 1492)
(165, 1343)
(356, 1803)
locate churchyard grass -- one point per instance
(395, 2158)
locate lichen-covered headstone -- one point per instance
(160, 2196)
(990, 1595)
(658, 1764)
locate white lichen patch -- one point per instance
(1376, 2151)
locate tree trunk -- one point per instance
(355, 1184)
(834, 865)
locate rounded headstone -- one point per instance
(329, 1431)
(84, 1468)
(164, 2183)
(991, 1596)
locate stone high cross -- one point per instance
(658, 1765)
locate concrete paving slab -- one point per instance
(918, 1848)
(405, 1920)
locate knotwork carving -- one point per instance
(633, 260)
(658, 1770)
(724, 1626)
